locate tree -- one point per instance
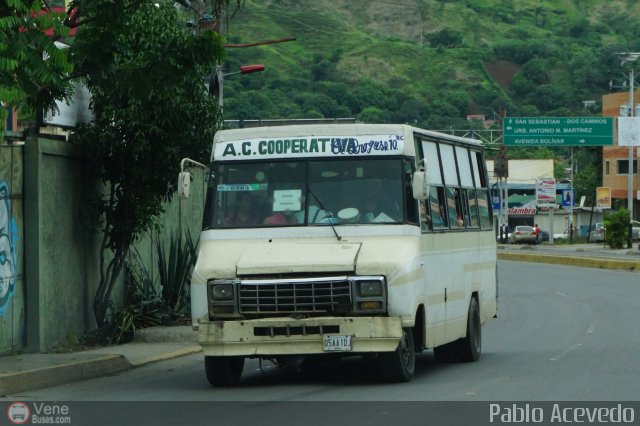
(535, 71)
(372, 115)
(33, 71)
(446, 38)
(145, 72)
(586, 180)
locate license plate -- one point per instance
(336, 343)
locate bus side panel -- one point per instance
(459, 264)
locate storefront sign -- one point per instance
(603, 197)
(522, 211)
(546, 192)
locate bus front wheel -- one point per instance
(398, 366)
(223, 370)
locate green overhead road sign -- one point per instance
(557, 131)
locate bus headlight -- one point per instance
(222, 298)
(370, 288)
(222, 292)
(369, 294)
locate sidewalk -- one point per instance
(32, 371)
(23, 372)
(584, 255)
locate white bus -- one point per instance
(351, 239)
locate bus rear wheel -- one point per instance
(470, 347)
(400, 365)
(223, 370)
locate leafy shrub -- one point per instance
(150, 302)
(521, 52)
(617, 226)
(446, 38)
(175, 271)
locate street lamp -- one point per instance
(624, 58)
(216, 82)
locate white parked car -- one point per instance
(635, 230)
(524, 234)
(597, 233)
(562, 236)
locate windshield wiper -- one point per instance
(331, 218)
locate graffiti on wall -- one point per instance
(8, 244)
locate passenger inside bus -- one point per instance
(280, 218)
(244, 212)
(378, 206)
(437, 201)
(285, 204)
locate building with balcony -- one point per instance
(615, 159)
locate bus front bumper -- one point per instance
(288, 336)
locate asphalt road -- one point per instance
(562, 334)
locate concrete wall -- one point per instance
(62, 241)
(59, 245)
(12, 293)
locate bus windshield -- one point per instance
(298, 193)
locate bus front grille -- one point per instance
(306, 296)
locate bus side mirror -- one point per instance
(420, 185)
(184, 178)
(184, 184)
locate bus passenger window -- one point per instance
(426, 223)
(411, 203)
(486, 221)
(438, 212)
(452, 206)
(473, 209)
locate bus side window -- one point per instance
(437, 201)
(452, 207)
(486, 221)
(473, 208)
(426, 223)
(410, 202)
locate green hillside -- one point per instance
(426, 62)
(431, 63)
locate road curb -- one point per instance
(588, 262)
(78, 370)
(187, 350)
(61, 374)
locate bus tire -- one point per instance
(223, 370)
(400, 365)
(470, 347)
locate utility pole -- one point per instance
(216, 81)
(218, 76)
(630, 57)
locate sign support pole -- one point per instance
(630, 171)
(504, 206)
(551, 209)
(571, 202)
